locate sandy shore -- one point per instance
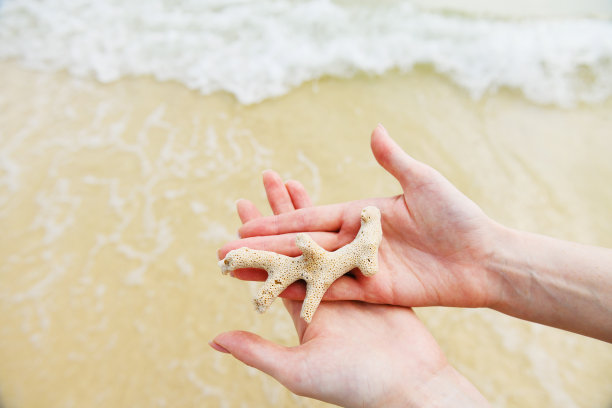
(114, 199)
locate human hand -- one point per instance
(357, 354)
(353, 354)
(435, 247)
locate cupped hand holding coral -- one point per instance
(353, 354)
(435, 240)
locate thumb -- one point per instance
(254, 351)
(391, 157)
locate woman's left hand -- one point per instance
(353, 354)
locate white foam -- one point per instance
(260, 49)
(314, 170)
(198, 207)
(215, 233)
(56, 212)
(174, 194)
(184, 266)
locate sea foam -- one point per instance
(259, 49)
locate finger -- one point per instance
(299, 195)
(247, 210)
(251, 274)
(284, 244)
(284, 198)
(256, 352)
(277, 193)
(292, 295)
(295, 291)
(392, 158)
(294, 307)
(343, 288)
(346, 287)
(324, 218)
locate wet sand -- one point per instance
(114, 199)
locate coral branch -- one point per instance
(318, 267)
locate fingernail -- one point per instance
(218, 347)
(380, 126)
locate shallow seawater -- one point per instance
(260, 49)
(126, 136)
(114, 199)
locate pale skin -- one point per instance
(353, 354)
(438, 248)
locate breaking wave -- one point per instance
(259, 49)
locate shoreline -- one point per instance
(115, 197)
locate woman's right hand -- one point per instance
(435, 248)
(353, 354)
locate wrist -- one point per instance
(550, 281)
(445, 388)
(501, 257)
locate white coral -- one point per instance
(318, 267)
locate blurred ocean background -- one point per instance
(260, 49)
(128, 129)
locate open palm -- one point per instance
(435, 240)
(353, 354)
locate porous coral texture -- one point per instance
(317, 267)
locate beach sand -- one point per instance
(114, 199)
